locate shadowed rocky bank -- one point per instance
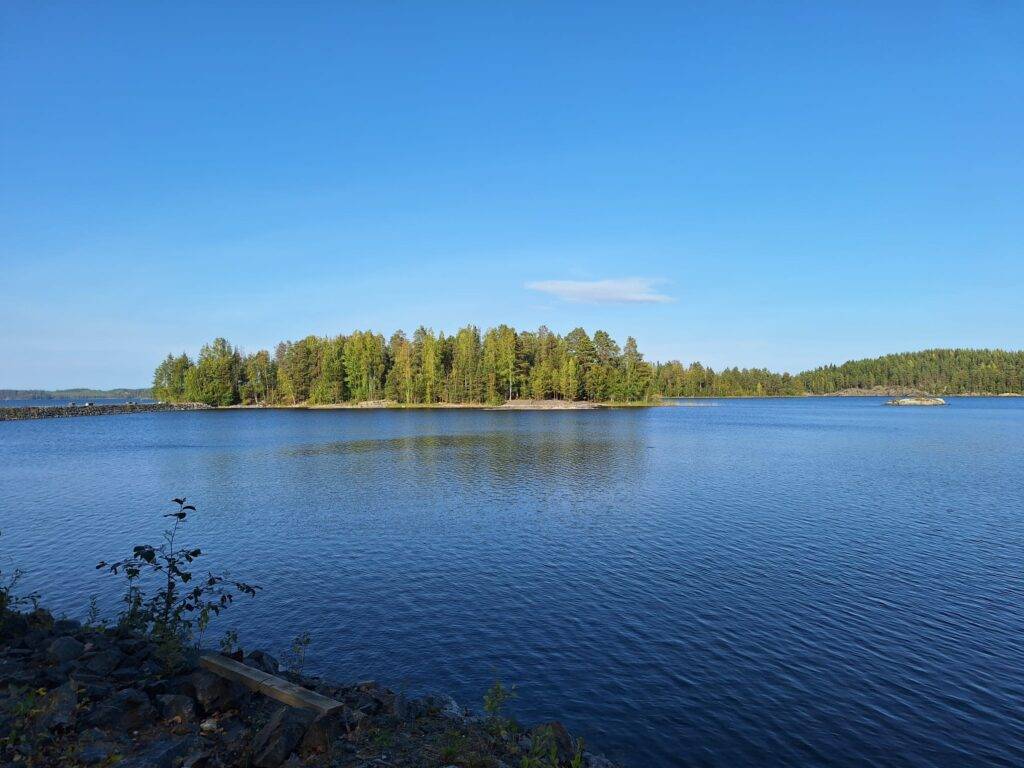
(74, 695)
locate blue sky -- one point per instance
(769, 184)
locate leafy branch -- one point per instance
(185, 601)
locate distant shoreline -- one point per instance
(76, 393)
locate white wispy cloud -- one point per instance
(624, 290)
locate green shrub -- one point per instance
(183, 601)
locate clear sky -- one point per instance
(770, 184)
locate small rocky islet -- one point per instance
(916, 400)
(74, 695)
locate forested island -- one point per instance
(503, 364)
(73, 394)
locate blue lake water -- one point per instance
(758, 582)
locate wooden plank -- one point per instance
(269, 685)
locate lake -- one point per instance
(817, 581)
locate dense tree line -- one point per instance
(940, 371)
(503, 364)
(673, 379)
(467, 367)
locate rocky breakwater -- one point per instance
(73, 695)
(65, 411)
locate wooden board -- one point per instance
(269, 685)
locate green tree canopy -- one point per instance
(503, 363)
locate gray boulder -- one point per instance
(323, 732)
(95, 754)
(93, 686)
(450, 707)
(263, 661)
(165, 753)
(214, 692)
(400, 707)
(61, 705)
(280, 736)
(64, 649)
(103, 662)
(128, 710)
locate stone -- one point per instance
(54, 676)
(30, 677)
(131, 646)
(128, 710)
(93, 686)
(556, 732)
(280, 736)
(424, 706)
(64, 649)
(323, 732)
(34, 638)
(385, 697)
(164, 753)
(61, 705)
(450, 708)
(213, 692)
(176, 707)
(66, 626)
(364, 702)
(182, 684)
(263, 661)
(136, 659)
(198, 759)
(400, 707)
(152, 687)
(103, 662)
(95, 754)
(126, 674)
(234, 734)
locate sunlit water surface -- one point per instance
(759, 582)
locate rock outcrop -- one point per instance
(89, 696)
